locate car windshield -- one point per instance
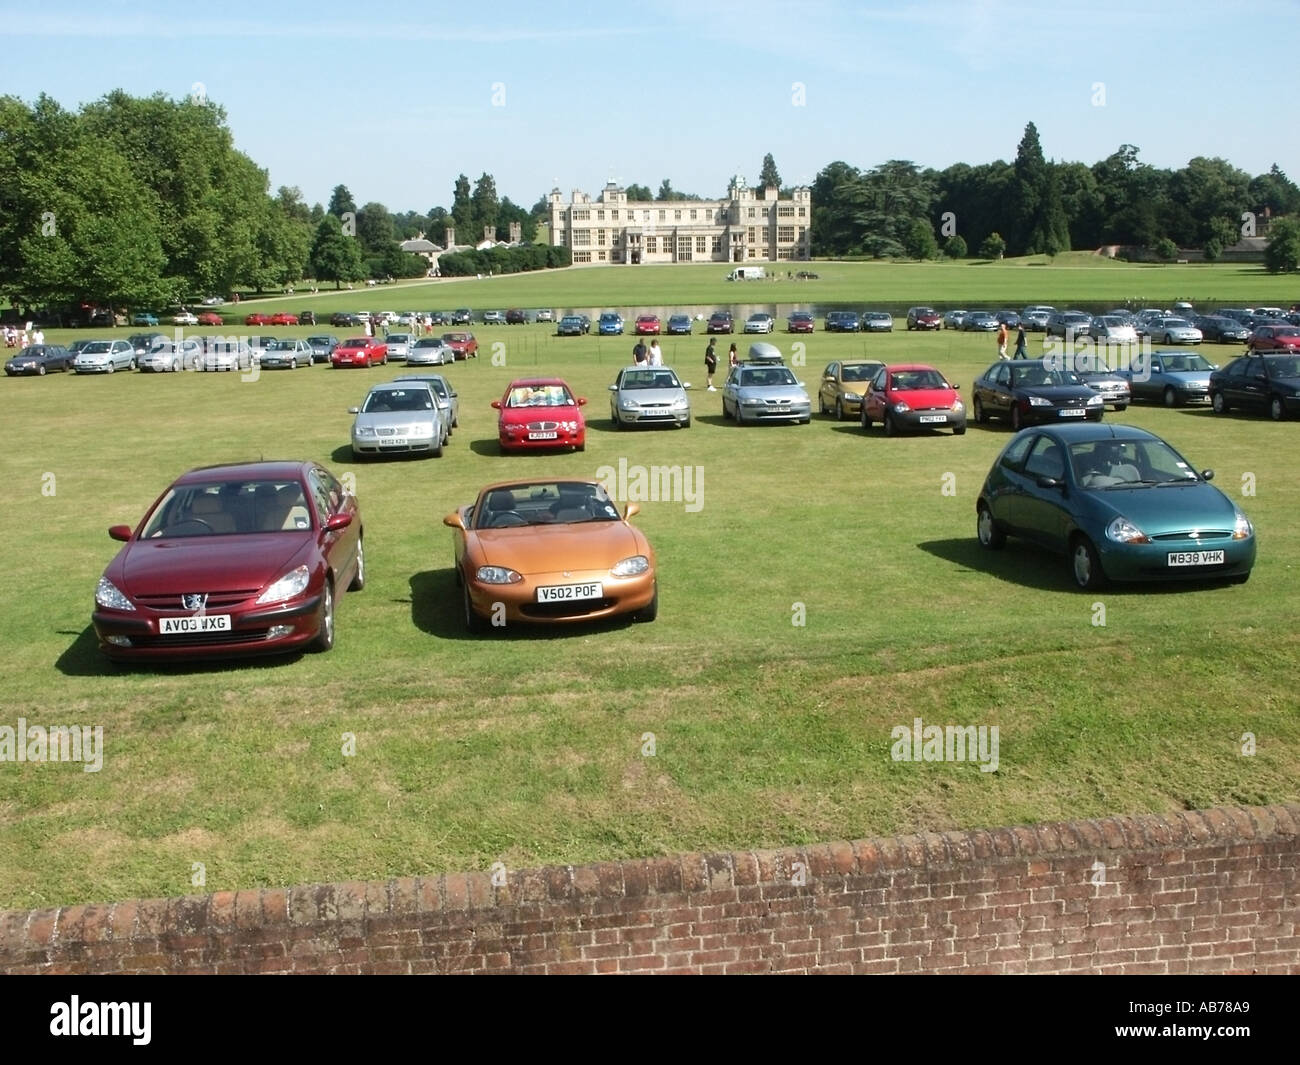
(1042, 377)
(571, 320)
(1111, 463)
(1286, 332)
(392, 400)
(544, 503)
(223, 508)
(909, 380)
(355, 342)
(398, 338)
(1284, 367)
(1177, 323)
(766, 377)
(1185, 363)
(455, 338)
(863, 371)
(650, 379)
(318, 341)
(539, 396)
(97, 347)
(429, 342)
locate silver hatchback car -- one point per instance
(399, 417)
(764, 392)
(447, 398)
(648, 396)
(429, 351)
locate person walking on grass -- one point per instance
(639, 352)
(1002, 340)
(1021, 351)
(711, 361)
(654, 357)
(733, 360)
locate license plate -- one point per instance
(543, 436)
(395, 441)
(556, 593)
(206, 623)
(926, 418)
(1195, 558)
(1073, 412)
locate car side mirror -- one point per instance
(632, 509)
(686, 384)
(338, 521)
(1207, 475)
(613, 388)
(454, 520)
(582, 401)
(496, 404)
(955, 386)
(120, 532)
(354, 410)
(1049, 482)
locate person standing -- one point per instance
(711, 361)
(1002, 340)
(733, 360)
(1021, 351)
(639, 352)
(654, 357)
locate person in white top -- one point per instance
(655, 357)
(38, 337)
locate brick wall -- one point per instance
(1203, 891)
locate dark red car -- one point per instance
(647, 325)
(721, 322)
(360, 351)
(923, 318)
(540, 412)
(1274, 338)
(282, 318)
(463, 345)
(210, 318)
(800, 322)
(257, 318)
(912, 396)
(233, 560)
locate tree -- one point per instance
(955, 248)
(1282, 253)
(919, 239)
(639, 193)
(993, 246)
(341, 202)
(335, 257)
(1166, 249)
(375, 229)
(768, 176)
(1274, 193)
(462, 213)
(484, 204)
(666, 191)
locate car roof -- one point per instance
(274, 470)
(905, 366)
(1070, 434)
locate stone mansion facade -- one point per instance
(749, 225)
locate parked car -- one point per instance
(1034, 317)
(447, 398)
(680, 325)
(1173, 331)
(233, 560)
(540, 413)
(359, 351)
(144, 318)
(345, 319)
(1221, 329)
(213, 301)
(398, 418)
(1257, 383)
(877, 322)
(430, 351)
(953, 319)
(1069, 324)
(923, 318)
(39, 359)
(399, 344)
(286, 354)
(571, 325)
(979, 322)
(182, 318)
(610, 324)
(761, 393)
(258, 318)
(844, 383)
(306, 317)
(167, 356)
(912, 396)
(552, 551)
(841, 322)
(647, 325)
(648, 396)
(800, 322)
(1110, 385)
(1171, 377)
(1008, 318)
(143, 342)
(282, 318)
(515, 316)
(226, 353)
(545, 315)
(494, 318)
(1110, 329)
(462, 316)
(322, 347)
(721, 322)
(463, 345)
(439, 318)
(759, 322)
(1119, 502)
(209, 318)
(1285, 338)
(1031, 392)
(104, 356)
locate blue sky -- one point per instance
(394, 100)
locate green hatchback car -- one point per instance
(1119, 502)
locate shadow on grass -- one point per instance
(436, 610)
(82, 658)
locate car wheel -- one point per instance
(821, 403)
(891, 427)
(1120, 408)
(359, 578)
(111, 367)
(987, 529)
(740, 418)
(176, 366)
(1085, 564)
(1276, 409)
(959, 430)
(473, 623)
(325, 638)
(580, 447)
(293, 364)
(981, 415)
(1218, 403)
(1170, 397)
(839, 409)
(614, 419)
(686, 424)
(1016, 422)
(650, 612)
(1168, 339)
(862, 417)
(437, 451)
(40, 370)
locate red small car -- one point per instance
(540, 412)
(647, 324)
(209, 318)
(800, 322)
(912, 396)
(257, 318)
(463, 345)
(360, 351)
(1274, 338)
(282, 318)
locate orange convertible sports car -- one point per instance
(548, 550)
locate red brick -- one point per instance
(275, 906)
(745, 871)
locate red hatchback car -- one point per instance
(647, 325)
(1274, 338)
(912, 396)
(282, 318)
(360, 351)
(233, 560)
(540, 412)
(463, 345)
(257, 318)
(210, 318)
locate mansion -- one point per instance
(749, 226)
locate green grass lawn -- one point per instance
(526, 747)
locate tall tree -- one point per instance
(666, 191)
(768, 177)
(485, 204)
(639, 193)
(335, 257)
(375, 229)
(341, 202)
(462, 212)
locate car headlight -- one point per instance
(1039, 401)
(1123, 531)
(497, 575)
(680, 403)
(628, 404)
(958, 406)
(631, 567)
(1241, 528)
(1094, 401)
(753, 402)
(422, 430)
(292, 583)
(107, 595)
(901, 408)
(363, 430)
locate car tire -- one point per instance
(359, 578)
(473, 623)
(325, 637)
(1017, 422)
(580, 447)
(862, 417)
(111, 367)
(614, 420)
(686, 424)
(740, 419)
(986, 529)
(821, 403)
(959, 430)
(437, 451)
(293, 364)
(40, 370)
(981, 415)
(1170, 396)
(1277, 409)
(839, 409)
(1168, 339)
(650, 612)
(1218, 404)
(1085, 565)
(891, 427)
(1120, 408)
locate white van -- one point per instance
(746, 273)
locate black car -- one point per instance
(842, 322)
(572, 325)
(345, 318)
(463, 316)
(721, 322)
(1032, 391)
(439, 318)
(516, 317)
(39, 359)
(1221, 329)
(306, 317)
(1258, 383)
(1008, 318)
(322, 348)
(146, 342)
(1073, 323)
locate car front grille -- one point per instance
(216, 602)
(575, 608)
(202, 639)
(1195, 536)
(542, 427)
(402, 430)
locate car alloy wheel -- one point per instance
(359, 578)
(111, 367)
(1171, 397)
(1276, 409)
(1016, 421)
(40, 370)
(325, 637)
(990, 535)
(891, 427)
(839, 409)
(293, 364)
(1218, 403)
(1086, 565)
(980, 415)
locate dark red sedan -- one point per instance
(360, 351)
(233, 560)
(257, 318)
(647, 325)
(463, 345)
